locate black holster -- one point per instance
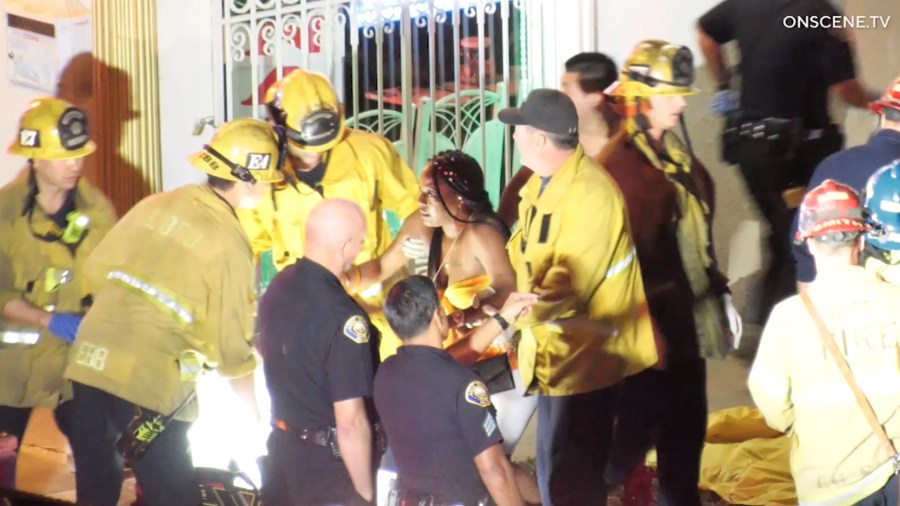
(327, 438)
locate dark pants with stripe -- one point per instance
(573, 439)
(666, 409)
(165, 473)
(14, 421)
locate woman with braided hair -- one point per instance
(457, 239)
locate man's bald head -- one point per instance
(335, 229)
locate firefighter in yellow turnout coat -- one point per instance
(50, 220)
(591, 327)
(327, 160)
(173, 296)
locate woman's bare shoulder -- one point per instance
(486, 235)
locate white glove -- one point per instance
(734, 320)
(416, 250)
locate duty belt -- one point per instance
(23, 337)
(777, 128)
(769, 129)
(327, 438)
(320, 437)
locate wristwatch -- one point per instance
(501, 320)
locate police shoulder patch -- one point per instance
(477, 394)
(357, 329)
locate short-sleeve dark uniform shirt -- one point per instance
(437, 417)
(317, 346)
(786, 69)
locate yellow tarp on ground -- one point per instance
(744, 461)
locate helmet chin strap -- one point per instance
(237, 170)
(687, 137)
(644, 126)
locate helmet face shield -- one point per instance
(72, 129)
(682, 68)
(318, 129)
(310, 111)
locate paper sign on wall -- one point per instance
(40, 48)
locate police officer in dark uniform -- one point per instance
(436, 412)
(778, 127)
(318, 353)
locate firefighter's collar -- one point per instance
(555, 191)
(86, 197)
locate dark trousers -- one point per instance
(666, 409)
(13, 421)
(165, 473)
(889, 495)
(573, 438)
(300, 474)
(767, 176)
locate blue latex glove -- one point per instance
(65, 325)
(725, 101)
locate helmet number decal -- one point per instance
(29, 138)
(258, 161)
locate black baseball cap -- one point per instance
(545, 109)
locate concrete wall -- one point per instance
(186, 84)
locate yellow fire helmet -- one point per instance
(312, 114)
(656, 67)
(52, 129)
(245, 150)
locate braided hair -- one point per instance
(462, 174)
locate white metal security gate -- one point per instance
(427, 74)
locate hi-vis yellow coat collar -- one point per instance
(555, 191)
